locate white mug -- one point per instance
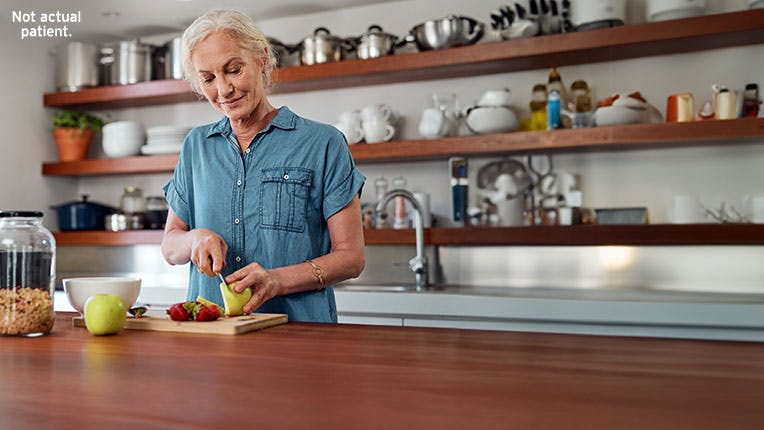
(353, 133)
(351, 117)
(377, 131)
(377, 111)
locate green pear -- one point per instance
(234, 302)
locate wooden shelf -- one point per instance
(632, 41)
(598, 138)
(109, 238)
(580, 235)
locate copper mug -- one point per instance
(679, 108)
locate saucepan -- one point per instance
(82, 215)
(322, 47)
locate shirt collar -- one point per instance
(284, 119)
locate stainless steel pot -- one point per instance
(376, 43)
(173, 64)
(77, 66)
(322, 47)
(128, 61)
(447, 32)
(284, 53)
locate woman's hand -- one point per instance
(208, 251)
(263, 283)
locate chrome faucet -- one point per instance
(418, 264)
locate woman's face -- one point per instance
(231, 77)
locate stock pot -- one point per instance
(322, 47)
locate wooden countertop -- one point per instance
(321, 376)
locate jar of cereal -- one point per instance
(27, 274)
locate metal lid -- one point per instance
(20, 214)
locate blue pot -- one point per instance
(82, 215)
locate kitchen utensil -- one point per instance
(751, 101)
(228, 326)
(353, 133)
(593, 14)
(377, 130)
(662, 10)
(122, 138)
(490, 119)
(679, 108)
(77, 66)
(82, 215)
(376, 43)
(447, 32)
(173, 63)
(156, 212)
(284, 53)
(220, 276)
(78, 290)
(725, 102)
(502, 97)
(115, 222)
(322, 47)
(132, 201)
(130, 62)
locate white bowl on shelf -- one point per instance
(122, 138)
(491, 119)
(663, 10)
(618, 115)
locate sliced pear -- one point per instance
(234, 302)
(206, 302)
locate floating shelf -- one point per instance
(580, 235)
(632, 41)
(597, 138)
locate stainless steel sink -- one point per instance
(376, 288)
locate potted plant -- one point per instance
(73, 131)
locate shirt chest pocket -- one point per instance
(284, 193)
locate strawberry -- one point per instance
(207, 313)
(178, 312)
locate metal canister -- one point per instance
(77, 66)
(131, 62)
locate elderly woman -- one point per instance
(265, 196)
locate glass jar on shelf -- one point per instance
(27, 274)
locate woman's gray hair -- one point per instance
(233, 22)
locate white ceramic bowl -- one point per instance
(618, 115)
(122, 138)
(501, 97)
(79, 290)
(491, 119)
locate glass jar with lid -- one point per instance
(132, 201)
(27, 274)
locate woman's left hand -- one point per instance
(263, 284)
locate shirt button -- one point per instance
(247, 151)
(286, 176)
(238, 182)
(238, 259)
(236, 221)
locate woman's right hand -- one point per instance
(208, 251)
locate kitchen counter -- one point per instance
(303, 375)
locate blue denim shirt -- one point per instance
(269, 204)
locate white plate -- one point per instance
(164, 141)
(160, 149)
(164, 130)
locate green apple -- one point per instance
(105, 314)
(234, 302)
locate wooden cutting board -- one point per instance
(232, 325)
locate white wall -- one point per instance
(27, 72)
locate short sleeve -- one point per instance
(177, 189)
(342, 180)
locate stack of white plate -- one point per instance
(122, 138)
(164, 139)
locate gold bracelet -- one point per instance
(318, 272)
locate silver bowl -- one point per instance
(447, 32)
